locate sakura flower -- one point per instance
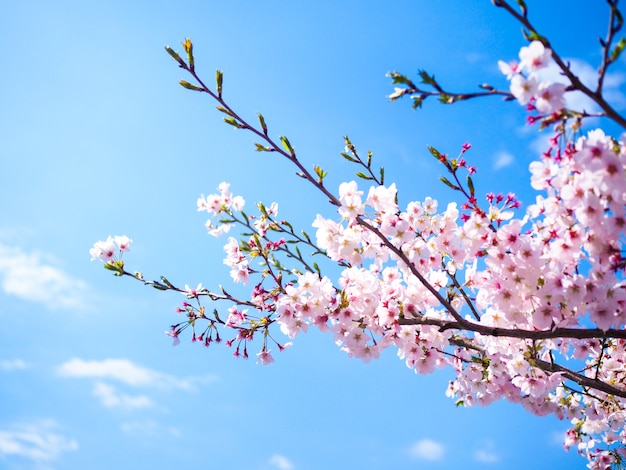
(350, 197)
(550, 97)
(534, 56)
(542, 172)
(217, 230)
(193, 292)
(104, 250)
(238, 203)
(523, 89)
(265, 357)
(123, 242)
(174, 333)
(382, 198)
(235, 317)
(508, 68)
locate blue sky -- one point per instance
(98, 139)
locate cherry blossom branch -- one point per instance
(583, 381)
(288, 152)
(277, 227)
(552, 367)
(419, 95)
(555, 333)
(352, 156)
(165, 284)
(577, 84)
(616, 22)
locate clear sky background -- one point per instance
(97, 139)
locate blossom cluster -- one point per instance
(559, 266)
(526, 86)
(221, 203)
(110, 250)
(529, 306)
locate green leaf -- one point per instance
(369, 158)
(175, 56)
(287, 145)
(398, 78)
(382, 175)
(321, 174)
(446, 99)
(530, 35)
(470, 185)
(261, 148)
(426, 78)
(618, 49)
(219, 79)
(189, 86)
(166, 282)
(434, 152)
(317, 269)
(117, 267)
(233, 122)
(223, 110)
(418, 101)
(348, 157)
(188, 46)
(362, 175)
(447, 182)
(262, 122)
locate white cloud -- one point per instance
(129, 373)
(427, 449)
(281, 462)
(29, 277)
(486, 453)
(503, 159)
(12, 364)
(484, 456)
(110, 398)
(39, 442)
(148, 428)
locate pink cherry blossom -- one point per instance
(265, 357)
(550, 97)
(534, 56)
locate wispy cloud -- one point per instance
(40, 442)
(503, 159)
(148, 428)
(12, 364)
(427, 449)
(30, 277)
(129, 373)
(486, 453)
(281, 462)
(111, 398)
